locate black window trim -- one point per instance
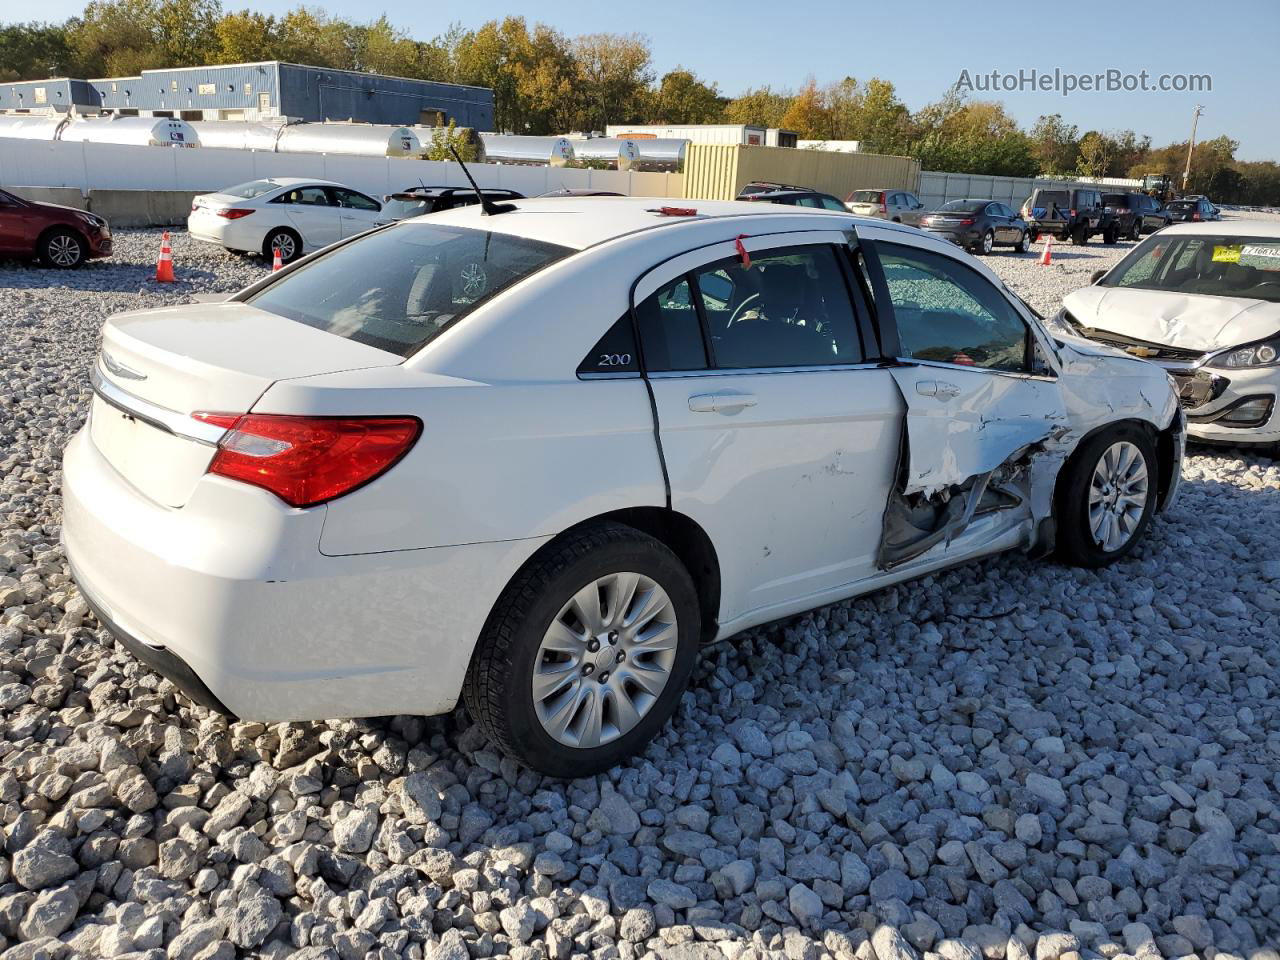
(1030, 340)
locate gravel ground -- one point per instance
(1008, 760)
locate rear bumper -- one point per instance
(963, 237)
(231, 599)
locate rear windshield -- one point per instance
(1223, 266)
(247, 191)
(1115, 200)
(964, 206)
(402, 209)
(398, 288)
(865, 196)
(1182, 204)
(1056, 197)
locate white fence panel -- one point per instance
(38, 163)
(104, 166)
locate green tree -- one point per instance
(682, 98)
(761, 107)
(1055, 144)
(808, 114)
(246, 37)
(442, 138)
(613, 78)
(34, 51)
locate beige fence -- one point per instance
(715, 171)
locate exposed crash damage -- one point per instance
(999, 445)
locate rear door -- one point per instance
(912, 209)
(310, 211)
(778, 438)
(977, 388)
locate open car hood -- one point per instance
(1190, 321)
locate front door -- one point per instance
(978, 393)
(14, 225)
(777, 439)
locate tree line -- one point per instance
(547, 82)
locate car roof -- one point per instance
(1263, 229)
(581, 222)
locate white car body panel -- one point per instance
(371, 604)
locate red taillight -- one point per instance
(308, 460)
(1195, 216)
(1072, 212)
(884, 206)
(967, 222)
(233, 213)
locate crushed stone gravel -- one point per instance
(1006, 760)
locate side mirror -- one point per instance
(1096, 276)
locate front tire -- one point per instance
(1107, 496)
(1080, 236)
(586, 653)
(1135, 232)
(1023, 244)
(63, 249)
(1111, 234)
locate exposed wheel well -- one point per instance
(59, 228)
(685, 538)
(1166, 443)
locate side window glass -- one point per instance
(615, 352)
(670, 329)
(790, 308)
(829, 204)
(354, 201)
(950, 314)
(809, 202)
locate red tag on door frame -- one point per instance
(742, 250)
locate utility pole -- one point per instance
(1195, 120)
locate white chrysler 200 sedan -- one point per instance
(531, 459)
(1201, 300)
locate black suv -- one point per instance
(1135, 213)
(1074, 215)
(799, 198)
(417, 201)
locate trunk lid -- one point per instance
(160, 366)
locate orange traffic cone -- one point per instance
(164, 266)
(276, 262)
(1047, 256)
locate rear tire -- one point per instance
(62, 249)
(1135, 232)
(1106, 496)
(288, 242)
(540, 608)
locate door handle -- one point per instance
(721, 402)
(939, 389)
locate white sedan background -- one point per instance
(292, 215)
(1201, 300)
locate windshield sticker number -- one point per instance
(1254, 250)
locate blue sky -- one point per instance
(922, 47)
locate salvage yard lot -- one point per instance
(1025, 758)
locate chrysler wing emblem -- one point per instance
(117, 368)
(1143, 352)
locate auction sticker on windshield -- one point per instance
(1270, 251)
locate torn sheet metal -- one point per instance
(962, 424)
(1174, 319)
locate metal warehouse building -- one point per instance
(255, 91)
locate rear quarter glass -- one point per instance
(398, 288)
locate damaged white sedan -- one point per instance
(1201, 300)
(531, 456)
